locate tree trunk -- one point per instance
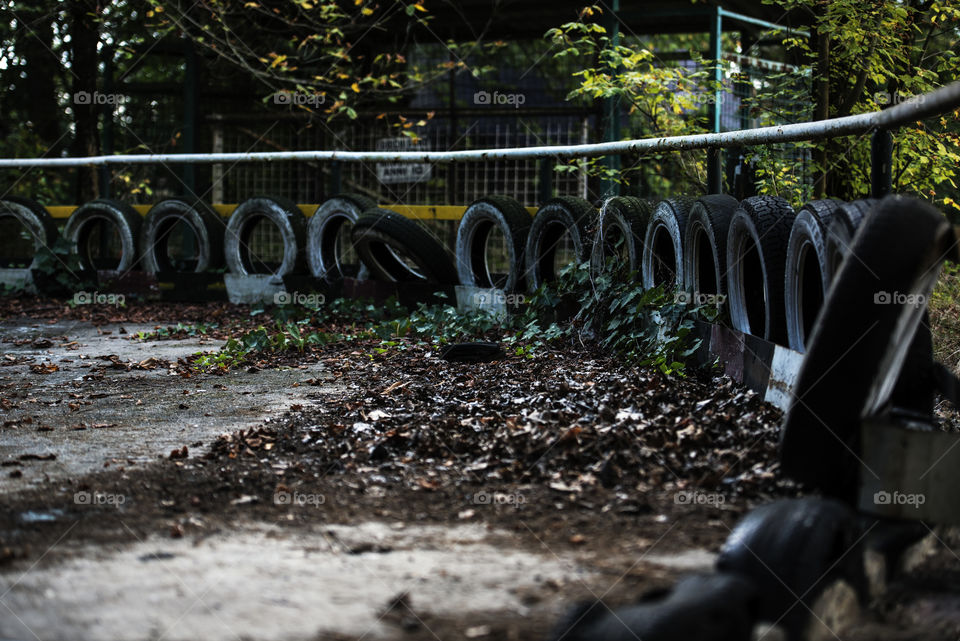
(39, 93)
(84, 34)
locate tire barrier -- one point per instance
(34, 218)
(705, 244)
(473, 237)
(161, 221)
(396, 249)
(756, 252)
(842, 227)
(860, 342)
(792, 551)
(285, 216)
(774, 267)
(327, 230)
(662, 262)
(808, 270)
(558, 217)
(620, 233)
(707, 607)
(100, 215)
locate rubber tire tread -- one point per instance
(820, 440)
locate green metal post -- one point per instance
(611, 109)
(714, 163)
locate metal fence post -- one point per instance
(881, 163)
(545, 181)
(714, 166)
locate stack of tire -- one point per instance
(772, 265)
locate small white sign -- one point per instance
(389, 173)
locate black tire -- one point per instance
(384, 239)
(558, 216)
(620, 231)
(792, 550)
(323, 228)
(285, 215)
(756, 255)
(842, 227)
(473, 233)
(121, 216)
(808, 270)
(476, 352)
(699, 607)
(860, 342)
(662, 262)
(705, 244)
(161, 220)
(34, 217)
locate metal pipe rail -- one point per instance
(917, 108)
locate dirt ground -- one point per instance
(346, 493)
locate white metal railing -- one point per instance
(917, 108)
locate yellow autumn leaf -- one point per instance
(355, 87)
(278, 61)
(419, 7)
(366, 11)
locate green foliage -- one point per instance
(175, 331)
(880, 53)
(646, 327)
(285, 337)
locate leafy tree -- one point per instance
(861, 56)
(345, 54)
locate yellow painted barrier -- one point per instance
(417, 212)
